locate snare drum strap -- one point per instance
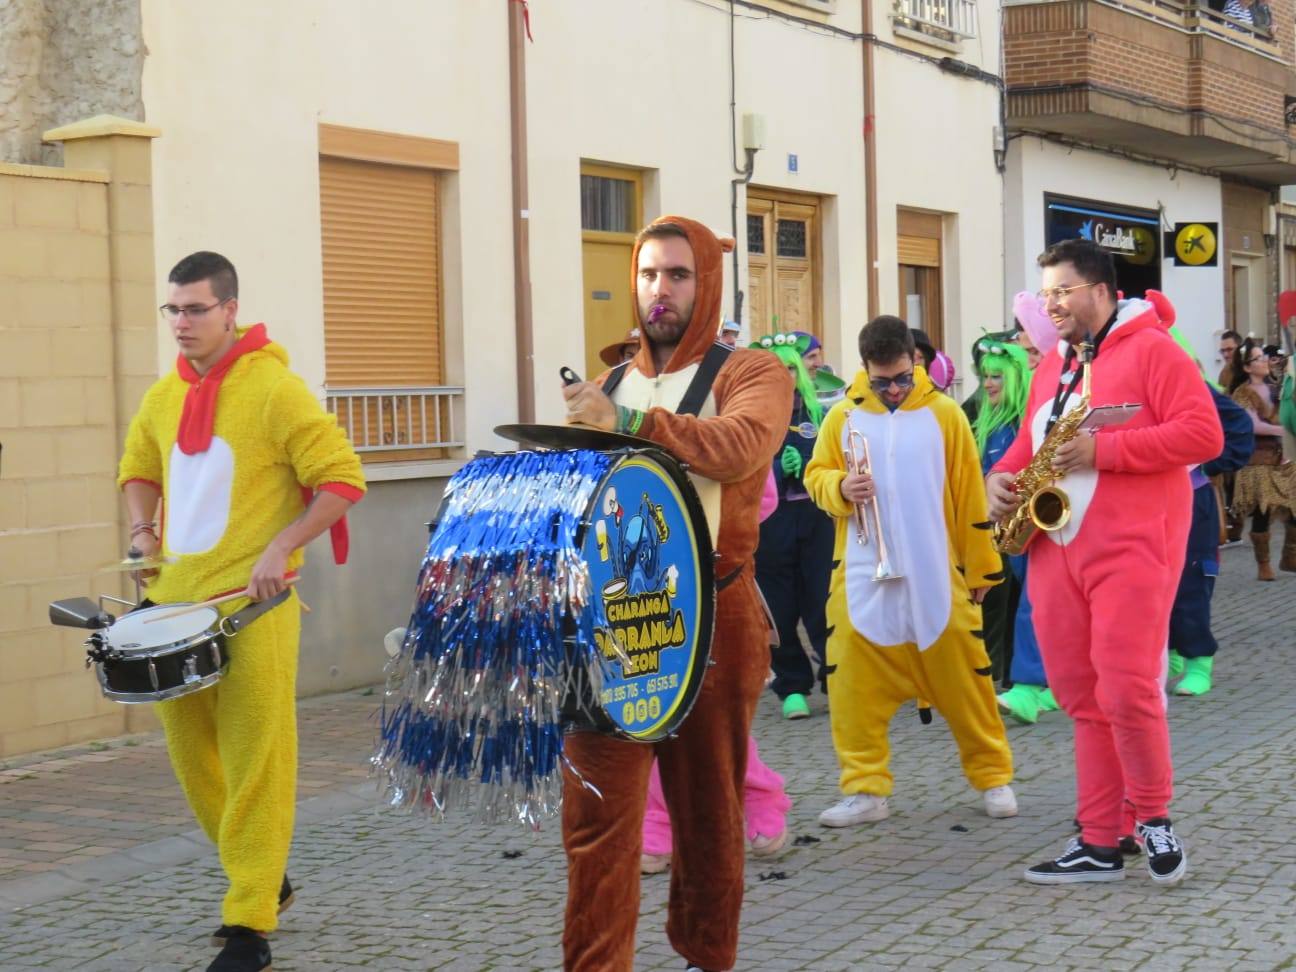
(239, 620)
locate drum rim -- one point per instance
(161, 695)
(169, 647)
(676, 472)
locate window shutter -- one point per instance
(915, 251)
(380, 229)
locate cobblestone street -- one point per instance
(102, 869)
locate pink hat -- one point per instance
(1029, 310)
(941, 371)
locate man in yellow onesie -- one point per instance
(226, 452)
(915, 635)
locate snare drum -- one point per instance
(142, 660)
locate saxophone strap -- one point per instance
(1065, 391)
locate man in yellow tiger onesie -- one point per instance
(232, 454)
(916, 634)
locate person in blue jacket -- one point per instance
(1005, 373)
(794, 556)
(1192, 645)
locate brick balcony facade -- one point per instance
(1164, 79)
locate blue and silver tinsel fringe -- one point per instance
(471, 714)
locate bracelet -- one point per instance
(143, 523)
(143, 528)
(628, 420)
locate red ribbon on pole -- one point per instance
(526, 18)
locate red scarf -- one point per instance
(199, 415)
(198, 419)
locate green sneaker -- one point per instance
(1022, 703)
(1176, 664)
(1197, 677)
(1046, 700)
(796, 707)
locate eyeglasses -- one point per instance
(1057, 293)
(192, 311)
(904, 382)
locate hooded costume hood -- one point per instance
(861, 392)
(199, 416)
(708, 262)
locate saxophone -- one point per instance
(1044, 506)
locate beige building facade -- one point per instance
(940, 222)
(412, 117)
(359, 171)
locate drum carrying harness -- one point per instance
(694, 398)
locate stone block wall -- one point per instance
(76, 352)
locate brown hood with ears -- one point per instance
(708, 259)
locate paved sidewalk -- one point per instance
(100, 868)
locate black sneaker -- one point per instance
(244, 951)
(1079, 862)
(1130, 847)
(286, 897)
(1167, 860)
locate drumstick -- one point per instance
(213, 602)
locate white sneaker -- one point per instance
(653, 863)
(857, 808)
(1000, 801)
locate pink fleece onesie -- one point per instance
(765, 804)
(1102, 587)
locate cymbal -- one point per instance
(140, 563)
(571, 437)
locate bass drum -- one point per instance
(648, 549)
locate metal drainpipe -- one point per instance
(870, 161)
(525, 338)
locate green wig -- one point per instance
(1007, 361)
(789, 348)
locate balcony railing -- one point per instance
(397, 419)
(957, 17)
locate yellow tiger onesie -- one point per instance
(918, 636)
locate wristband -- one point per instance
(628, 420)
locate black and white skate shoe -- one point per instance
(1079, 862)
(1167, 860)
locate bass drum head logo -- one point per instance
(643, 559)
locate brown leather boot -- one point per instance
(1261, 543)
(1287, 561)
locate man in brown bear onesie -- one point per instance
(728, 442)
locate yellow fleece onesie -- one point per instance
(234, 745)
(917, 636)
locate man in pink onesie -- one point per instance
(1103, 585)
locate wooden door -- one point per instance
(609, 306)
(611, 213)
(783, 264)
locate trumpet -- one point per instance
(856, 453)
(858, 460)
